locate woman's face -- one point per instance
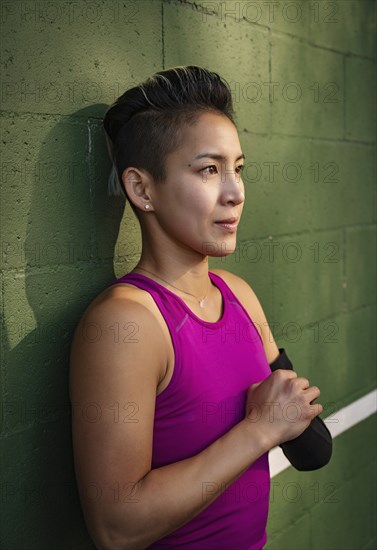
(203, 186)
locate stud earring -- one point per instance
(147, 205)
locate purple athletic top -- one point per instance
(214, 365)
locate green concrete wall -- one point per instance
(303, 76)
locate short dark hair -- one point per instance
(146, 123)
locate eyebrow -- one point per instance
(216, 156)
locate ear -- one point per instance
(137, 184)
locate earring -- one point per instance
(147, 205)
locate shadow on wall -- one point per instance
(72, 229)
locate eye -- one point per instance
(240, 168)
(207, 168)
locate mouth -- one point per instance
(230, 224)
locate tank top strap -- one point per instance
(171, 309)
(237, 309)
(223, 287)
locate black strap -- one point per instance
(313, 448)
(281, 362)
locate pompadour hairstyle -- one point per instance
(146, 123)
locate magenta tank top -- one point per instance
(215, 363)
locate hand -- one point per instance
(282, 406)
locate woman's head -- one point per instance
(147, 122)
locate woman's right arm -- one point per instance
(117, 358)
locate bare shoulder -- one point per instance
(246, 295)
(236, 282)
(241, 289)
(119, 303)
(112, 325)
(116, 296)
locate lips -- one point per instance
(229, 225)
(228, 220)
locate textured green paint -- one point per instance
(81, 56)
(303, 107)
(355, 31)
(342, 169)
(304, 94)
(192, 37)
(276, 166)
(360, 121)
(335, 504)
(42, 171)
(361, 266)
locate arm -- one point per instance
(120, 494)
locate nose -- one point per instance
(233, 189)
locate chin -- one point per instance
(218, 249)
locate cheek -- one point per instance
(198, 200)
(190, 200)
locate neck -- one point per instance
(188, 273)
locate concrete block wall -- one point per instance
(303, 77)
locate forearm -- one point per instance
(168, 497)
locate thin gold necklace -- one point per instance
(200, 302)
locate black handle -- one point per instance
(312, 449)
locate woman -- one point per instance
(175, 407)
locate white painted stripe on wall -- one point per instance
(337, 423)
